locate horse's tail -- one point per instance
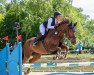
(23, 52)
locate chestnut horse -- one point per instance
(50, 43)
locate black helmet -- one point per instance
(57, 13)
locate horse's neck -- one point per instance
(60, 36)
(50, 33)
(52, 38)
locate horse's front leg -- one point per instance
(66, 49)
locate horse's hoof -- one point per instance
(27, 72)
(61, 58)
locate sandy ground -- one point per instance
(38, 73)
(57, 73)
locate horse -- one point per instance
(54, 41)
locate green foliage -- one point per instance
(31, 13)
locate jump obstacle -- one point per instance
(51, 64)
(11, 62)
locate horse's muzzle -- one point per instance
(73, 43)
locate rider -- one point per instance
(49, 24)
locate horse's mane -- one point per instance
(65, 21)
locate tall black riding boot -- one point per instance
(39, 37)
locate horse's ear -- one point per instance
(75, 24)
(70, 24)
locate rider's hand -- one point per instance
(56, 26)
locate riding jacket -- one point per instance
(50, 23)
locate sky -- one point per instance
(86, 5)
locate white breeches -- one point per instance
(42, 29)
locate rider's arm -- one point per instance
(49, 24)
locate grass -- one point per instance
(52, 69)
(70, 58)
(81, 56)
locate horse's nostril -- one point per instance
(73, 42)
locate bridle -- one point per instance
(68, 35)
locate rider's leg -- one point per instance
(42, 29)
(41, 35)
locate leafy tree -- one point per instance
(31, 13)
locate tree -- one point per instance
(31, 13)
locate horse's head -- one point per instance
(70, 32)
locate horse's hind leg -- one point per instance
(26, 52)
(36, 56)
